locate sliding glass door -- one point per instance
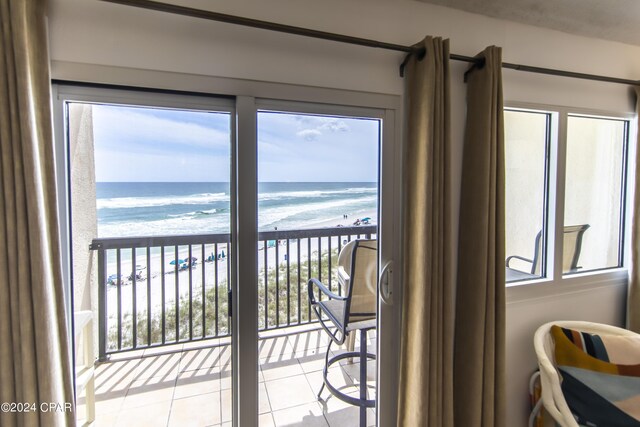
(194, 225)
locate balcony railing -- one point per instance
(156, 291)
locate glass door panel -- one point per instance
(318, 190)
(594, 193)
(150, 192)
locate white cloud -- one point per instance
(313, 127)
(309, 134)
(335, 125)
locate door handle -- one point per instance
(385, 286)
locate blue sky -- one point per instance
(161, 145)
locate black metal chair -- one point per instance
(355, 311)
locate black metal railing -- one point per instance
(156, 291)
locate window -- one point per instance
(569, 184)
(594, 191)
(527, 134)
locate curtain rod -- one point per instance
(289, 29)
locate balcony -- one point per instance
(174, 367)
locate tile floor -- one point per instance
(191, 386)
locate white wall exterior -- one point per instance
(86, 33)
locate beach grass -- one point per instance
(279, 305)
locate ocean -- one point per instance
(173, 208)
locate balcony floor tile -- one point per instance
(264, 406)
(274, 347)
(199, 359)
(193, 383)
(197, 411)
(311, 362)
(226, 405)
(149, 391)
(152, 415)
(164, 366)
(307, 341)
(306, 415)
(280, 369)
(289, 392)
(266, 420)
(192, 387)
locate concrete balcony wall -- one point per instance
(84, 218)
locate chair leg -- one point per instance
(361, 401)
(363, 376)
(326, 364)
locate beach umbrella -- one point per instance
(366, 219)
(179, 261)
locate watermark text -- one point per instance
(21, 407)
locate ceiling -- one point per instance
(617, 20)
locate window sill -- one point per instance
(583, 282)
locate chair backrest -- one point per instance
(572, 245)
(552, 397)
(358, 273)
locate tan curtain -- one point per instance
(425, 395)
(34, 362)
(633, 296)
(479, 358)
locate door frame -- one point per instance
(70, 75)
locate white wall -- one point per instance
(91, 32)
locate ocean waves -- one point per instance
(307, 214)
(147, 202)
(208, 198)
(166, 227)
(196, 213)
(154, 209)
(311, 194)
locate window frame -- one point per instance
(623, 190)
(554, 281)
(550, 124)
